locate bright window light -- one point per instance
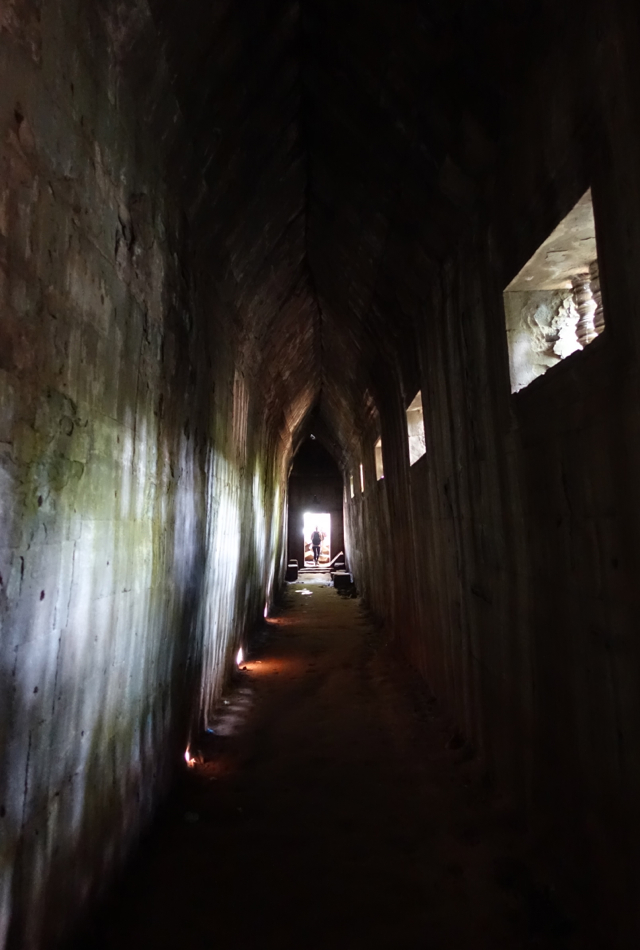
(553, 306)
(351, 488)
(415, 427)
(361, 478)
(379, 465)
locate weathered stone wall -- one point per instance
(141, 522)
(515, 587)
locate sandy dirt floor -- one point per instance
(335, 809)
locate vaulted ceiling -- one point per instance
(344, 145)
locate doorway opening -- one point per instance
(322, 522)
(316, 489)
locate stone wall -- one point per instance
(141, 519)
(514, 586)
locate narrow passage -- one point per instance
(334, 812)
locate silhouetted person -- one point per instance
(316, 541)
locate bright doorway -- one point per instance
(322, 522)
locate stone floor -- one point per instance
(335, 809)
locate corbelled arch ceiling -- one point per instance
(342, 145)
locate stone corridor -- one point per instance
(267, 265)
(333, 807)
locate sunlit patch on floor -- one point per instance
(275, 667)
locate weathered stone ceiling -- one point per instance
(237, 78)
(405, 103)
(343, 146)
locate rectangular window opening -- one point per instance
(415, 428)
(362, 477)
(379, 463)
(553, 307)
(353, 494)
